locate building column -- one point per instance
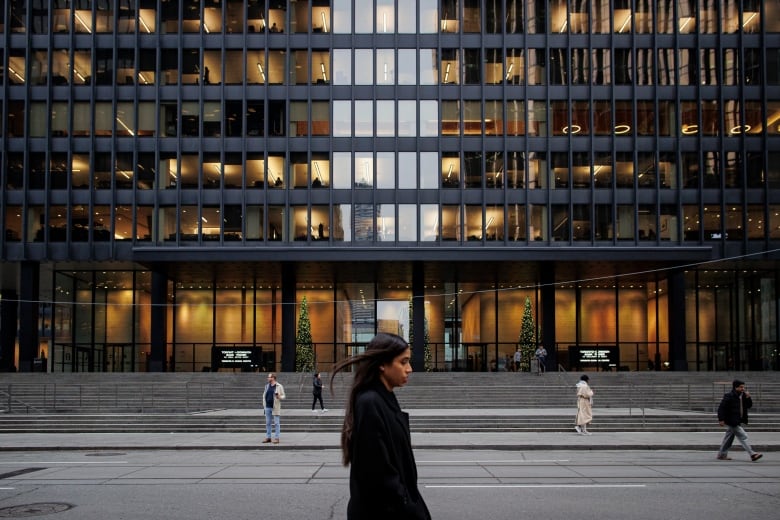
(289, 282)
(159, 322)
(547, 279)
(29, 284)
(418, 317)
(9, 302)
(678, 359)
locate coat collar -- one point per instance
(390, 399)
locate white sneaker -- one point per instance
(313, 410)
(578, 428)
(586, 432)
(324, 410)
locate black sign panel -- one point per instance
(235, 357)
(594, 357)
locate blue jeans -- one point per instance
(728, 440)
(268, 416)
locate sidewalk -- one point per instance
(708, 440)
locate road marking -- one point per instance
(75, 463)
(501, 461)
(6, 489)
(489, 486)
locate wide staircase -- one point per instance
(438, 402)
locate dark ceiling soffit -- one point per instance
(465, 254)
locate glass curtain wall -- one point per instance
(100, 322)
(472, 326)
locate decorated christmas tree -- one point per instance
(304, 349)
(527, 339)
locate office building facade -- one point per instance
(179, 177)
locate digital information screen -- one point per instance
(594, 357)
(235, 357)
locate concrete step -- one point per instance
(189, 392)
(332, 422)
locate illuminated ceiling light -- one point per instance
(384, 22)
(261, 71)
(82, 22)
(573, 129)
(750, 18)
(322, 67)
(324, 21)
(690, 129)
(622, 129)
(16, 74)
(684, 23)
(123, 125)
(509, 71)
(319, 175)
(628, 20)
(740, 129)
(449, 172)
(447, 73)
(142, 78)
(563, 27)
(141, 19)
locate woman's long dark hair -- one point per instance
(383, 348)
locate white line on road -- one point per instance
(489, 486)
(502, 461)
(74, 462)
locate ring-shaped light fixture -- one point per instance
(740, 129)
(622, 129)
(690, 129)
(573, 129)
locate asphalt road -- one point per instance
(457, 484)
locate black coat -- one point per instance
(728, 411)
(383, 473)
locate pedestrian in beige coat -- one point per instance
(272, 406)
(584, 406)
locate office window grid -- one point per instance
(241, 133)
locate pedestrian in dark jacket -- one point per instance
(317, 392)
(733, 413)
(375, 439)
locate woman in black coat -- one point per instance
(375, 439)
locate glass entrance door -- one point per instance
(119, 358)
(83, 361)
(476, 357)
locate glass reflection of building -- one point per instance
(180, 174)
